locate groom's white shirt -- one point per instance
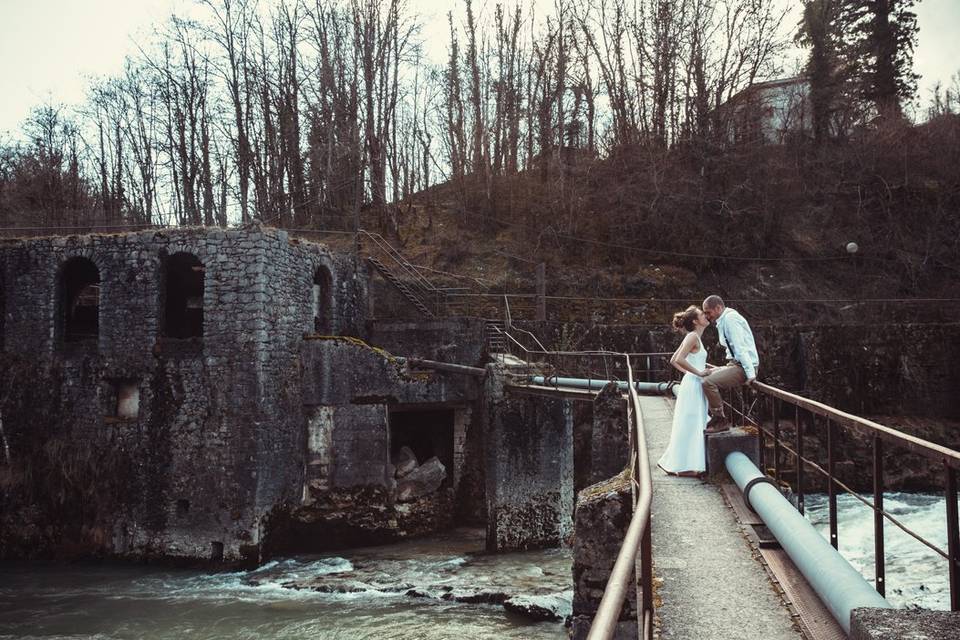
(737, 338)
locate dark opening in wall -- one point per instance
(123, 399)
(428, 433)
(216, 551)
(79, 313)
(183, 507)
(322, 302)
(183, 297)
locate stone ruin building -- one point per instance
(225, 395)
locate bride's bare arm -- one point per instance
(679, 357)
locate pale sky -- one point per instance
(49, 48)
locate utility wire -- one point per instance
(659, 252)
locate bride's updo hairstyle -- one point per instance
(684, 320)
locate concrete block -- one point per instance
(580, 628)
(719, 445)
(529, 468)
(610, 440)
(904, 624)
(601, 520)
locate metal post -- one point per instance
(878, 559)
(953, 539)
(799, 426)
(741, 394)
(763, 446)
(541, 291)
(646, 567)
(831, 485)
(776, 441)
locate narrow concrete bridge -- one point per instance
(696, 560)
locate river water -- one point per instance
(916, 575)
(407, 590)
(434, 588)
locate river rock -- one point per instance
(550, 607)
(406, 461)
(422, 481)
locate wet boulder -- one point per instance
(551, 607)
(422, 481)
(406, 461)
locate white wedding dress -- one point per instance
(686, 449)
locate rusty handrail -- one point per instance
(880, 435)
(917, 445)
(636, 541)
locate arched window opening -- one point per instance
(322, 302)
(183, 302)
(80, 300)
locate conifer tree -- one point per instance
(880, 36)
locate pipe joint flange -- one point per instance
(751, 484)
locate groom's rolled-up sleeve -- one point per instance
(739, 335)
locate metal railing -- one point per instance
(806, 414)
(588, 365)
(637, 540)
(432, 296)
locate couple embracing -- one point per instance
(699, 407)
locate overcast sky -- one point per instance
(49, 48)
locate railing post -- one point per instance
(646, 578)
(762, 441)
(741, 395)
(831, 485)
(799, 426)
(776, 440)
(541, 291)
(878, 559)
(953, 538)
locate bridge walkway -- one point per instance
(709, 583)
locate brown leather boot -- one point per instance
(717, 424)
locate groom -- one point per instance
(742, 359)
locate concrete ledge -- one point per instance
(719, 445)
(904, 624)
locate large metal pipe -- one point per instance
(583, 383)
(839, 585)
(445, 366)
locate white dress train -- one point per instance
(686, 449)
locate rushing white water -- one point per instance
(916, 576)
(409, 590)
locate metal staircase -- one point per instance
(496, 336)
(401, 286)
(429, 299)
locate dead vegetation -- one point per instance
(766, 223)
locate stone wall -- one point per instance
(454, 340)
(216, 437)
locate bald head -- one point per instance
(713, 306)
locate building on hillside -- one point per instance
(768, 112)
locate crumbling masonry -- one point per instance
(178, 393)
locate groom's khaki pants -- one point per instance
(726, 377)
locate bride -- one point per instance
(685, 453)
